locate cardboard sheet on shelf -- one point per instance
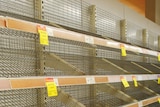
(27, 83)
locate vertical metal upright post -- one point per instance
(38, 4)
(123, 30)
(158, 42)
(93, 19)
(92, 72)
(123, 33)
(145, 37)
(41, 92)
(93, 55)
(145, 42)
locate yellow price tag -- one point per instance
(43, 37)
(158, 80)
(158, 57)
(135, 82)
(51, 89)
(123, 50)
(158, 100)
(125, 82)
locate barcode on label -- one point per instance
(140, 104)
(49, 31)
(89, 40)
(90, 80)
(56, 81)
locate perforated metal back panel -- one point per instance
(150, 67)
(105, 68)
(107, 100)
(136, 58)
(152, 40)
(20, 7)
(127, 65)
(17, 59)
(105, 52)
(52, 102)
(71, 13)
(134, 34)
(80, 93)
(112, 100)
(137, 92)
(153, 85)
(17, 53)
(153, 60)
(107, 24)
(18, 98)
(108, 54)
(154, 104)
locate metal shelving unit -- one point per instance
(86, 68)
(86, 76)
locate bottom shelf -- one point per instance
(80, 91)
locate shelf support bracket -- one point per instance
(56, 62)
(113, 91)
(68, 100)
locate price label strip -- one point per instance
(124, 82)
(89, 39)
(123, 50)
(51, 87)
(43, 35)
(135, 82)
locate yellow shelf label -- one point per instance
(125, 82)
(51, 89)
(43, 37)
(158, 100)
(135, 82)
(123, 50)
(158, 80)
(158, 57)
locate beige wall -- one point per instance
(109, 5)
(119, 9)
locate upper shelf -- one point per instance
(70, 35)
